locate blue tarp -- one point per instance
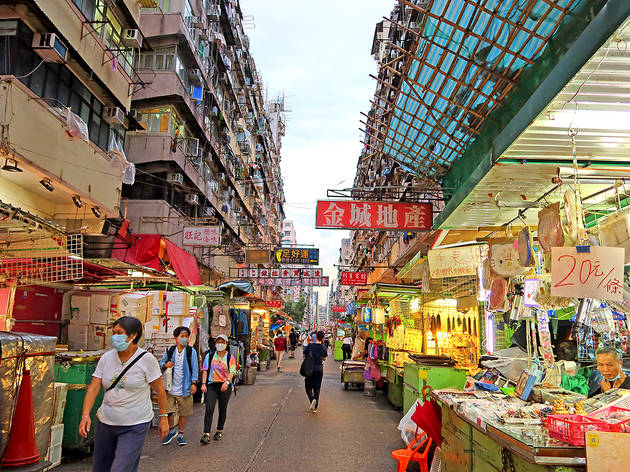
(237, 288)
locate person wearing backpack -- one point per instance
(313, 382)
(127, 374)
(218, 372)
(183, 359)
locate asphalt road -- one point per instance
(270, 429)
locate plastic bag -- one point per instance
(168, 379)
(408, 429)
(76, 127)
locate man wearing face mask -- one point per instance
(218, 371)
(609, 361)
(182, 358)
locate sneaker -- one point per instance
(169, 437)
(181, 440)
(218, 436)
(205, 438)
(315, 411)
(313, 406)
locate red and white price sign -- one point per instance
(273, 303)
(594, 274)
(202, 236)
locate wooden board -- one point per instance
(607, 452)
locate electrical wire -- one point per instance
(36, 67)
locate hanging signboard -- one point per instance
(530, 289)
(354, 278)
(202, 236)
(454, 261)
(384, 216)
(595, 273)
(257, 256)
(339, 309)
(292, 255)
(273, 303)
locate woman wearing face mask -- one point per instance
(127, 374)
(218, 371)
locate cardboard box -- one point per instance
(173, 322)
(134, 304)
(59, 402)
(96, 337)
(177, 304)
(77, 337)
(80, 309)
(157, 300)
(99, 309)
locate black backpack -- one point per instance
(171, 352)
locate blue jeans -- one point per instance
(118, 448)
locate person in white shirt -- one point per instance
(346, 347)
(127, 374)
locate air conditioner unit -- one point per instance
(132, 38)
(175, 178)
(114, 115)
(192, 147)
(49, 47)
(192, 199)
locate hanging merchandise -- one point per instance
(574, 218)
(486, 278)
(504, 257)
(525, 251)
(498, 291)
(546, 349)
(614, 231)
(550, 228)
(378, 315)
(366, 314)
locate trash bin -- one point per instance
(77, 373)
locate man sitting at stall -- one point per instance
(359, 351)
(609, 365)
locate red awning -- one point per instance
(146, 250)
(184, 264)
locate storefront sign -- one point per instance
(202, 236)
(385, 216)
(289, 282)
(291, 255)
(339, 309)
(454, 261)
(273, 303)
(257, 256)
(597, 273)
(354, 278)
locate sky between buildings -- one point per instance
(318, 55)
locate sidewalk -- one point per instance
(269, 429)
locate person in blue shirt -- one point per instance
(183, 359)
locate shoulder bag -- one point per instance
(306, 369)
(125, 370)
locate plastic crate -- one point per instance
(571, 428)
(618, 419)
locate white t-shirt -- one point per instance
(129, 402)
(347, 340)
(178, 373)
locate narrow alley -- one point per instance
(269, 429)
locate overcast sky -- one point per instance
(318, 55)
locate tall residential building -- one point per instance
(342, 295)
(66, 76)
(289, 238)
(207, 148)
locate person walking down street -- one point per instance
(182, 358)
(127, 374)
(293, 342)
(279, 347)
(313, 383)
(346, 347)
(218, 372)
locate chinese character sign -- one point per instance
(386, 216)
(273, 303)
(354, 278)
(339, 309)
(454, 261)
(594, 274)
(202, 236)
(297, 256)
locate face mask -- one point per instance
(183, 342)
(221, 346)
(615, 379)
(119, 342)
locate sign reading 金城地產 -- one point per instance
(273, 303)
(454, 261)
(354, 278)
(339, 309)
(385, 216)
(595, 273)
(202, 236)
(293, 255)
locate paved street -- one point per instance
(269, 429)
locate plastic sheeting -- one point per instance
(12, 345)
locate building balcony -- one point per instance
(45, 151)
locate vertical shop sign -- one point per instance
(587, 272)
(383, 216)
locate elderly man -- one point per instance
(609, 365)
(359, 350)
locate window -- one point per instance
(158, 59)
(162, 120)
(87, 7)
